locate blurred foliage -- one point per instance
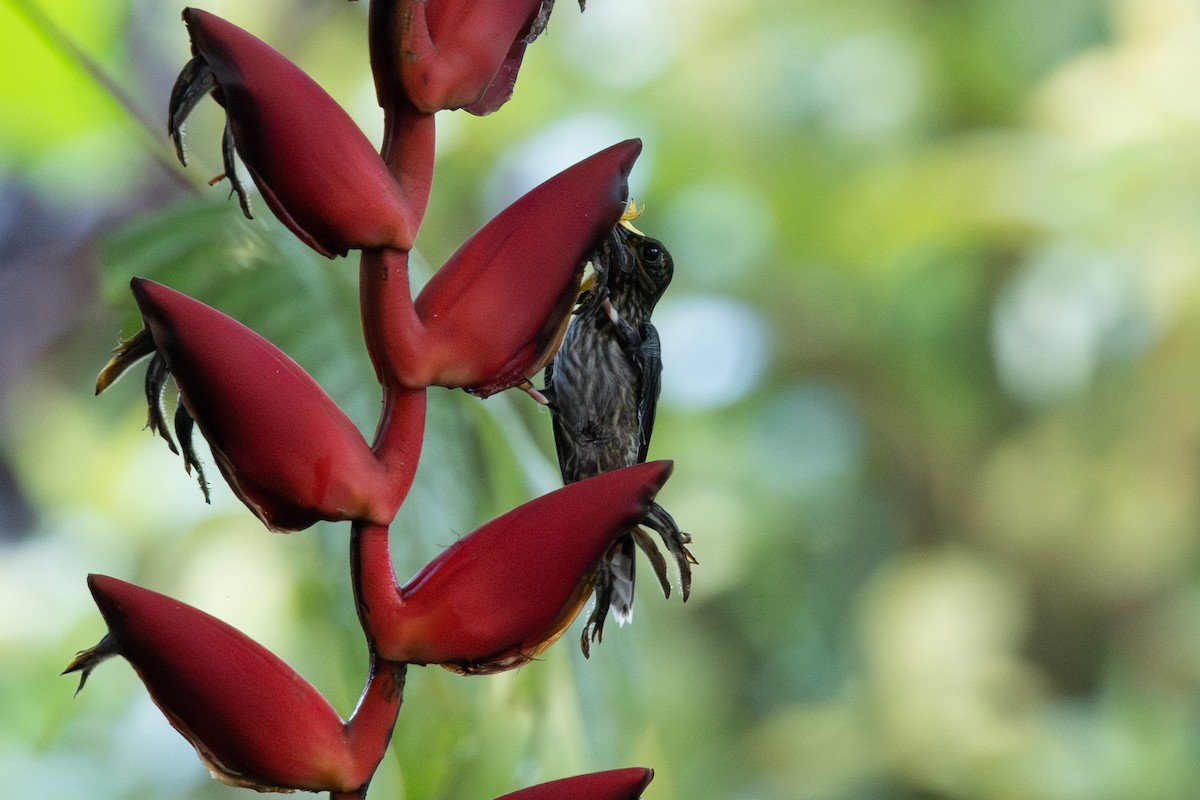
(931, 366)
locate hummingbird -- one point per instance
(602, 388)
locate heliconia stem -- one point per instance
(399, 436)
(394, 334)
(408, 133)
(376, 592)
(409, 138)
(368, 731)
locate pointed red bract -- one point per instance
(286, 449)
(492, 316)
(615, 784)
(252, 719)
(500, 90)
(502, 594)
(315, 168)
(506, 294)
(452, 53)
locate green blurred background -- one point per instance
(932, 358)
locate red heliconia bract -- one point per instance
(453, 53)
(316, 170)
(286, 449)
(253, 721)
(614, 784)
(501, 595)
(493, 315)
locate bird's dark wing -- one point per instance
(561, 445)
(649, 361)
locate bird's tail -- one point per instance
(621, 567)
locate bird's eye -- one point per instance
(651, 252)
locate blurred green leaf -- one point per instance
(46, 97)
(258, 273)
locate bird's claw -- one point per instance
(535, 393)
(603, 580)
(593, 629)
(676, 541)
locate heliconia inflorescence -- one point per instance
(489, 319)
